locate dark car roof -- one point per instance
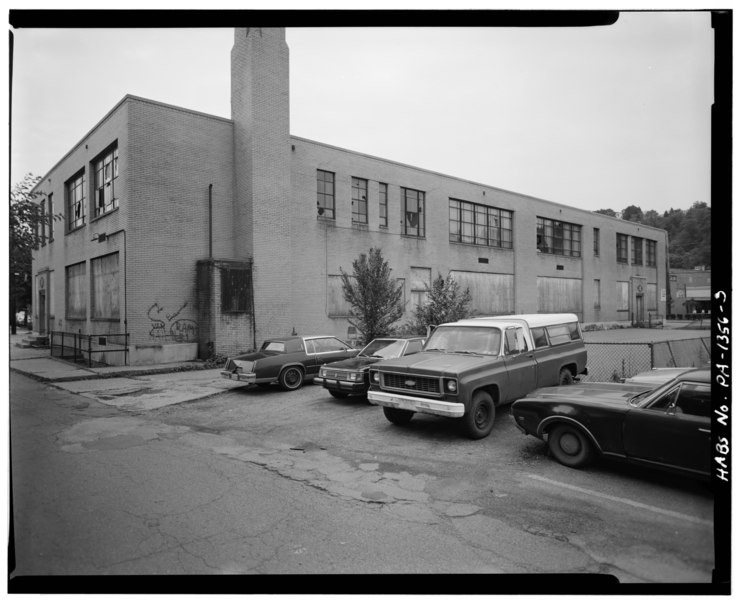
(702, 375)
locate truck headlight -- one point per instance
(323, 373)
(451, 385)
(355, 376)
(376, 376)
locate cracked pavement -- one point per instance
(265, 481)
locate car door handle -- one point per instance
(704, 430)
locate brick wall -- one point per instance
(174, 155)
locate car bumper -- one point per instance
(245, 377)
(351, 387)
(412, 403)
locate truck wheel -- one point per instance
(570, 447)
(291, 378)
(478, 421)
(566, 377)
(397, 416)
(337, 394)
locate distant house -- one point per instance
(188, 235)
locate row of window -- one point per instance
(102, 289)
(472, 223)
(636, 243)
(104, 194)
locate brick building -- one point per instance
(195, 234)
(690, 291)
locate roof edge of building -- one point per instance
(486, 185)
(116, 107)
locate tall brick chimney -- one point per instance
(260, 109)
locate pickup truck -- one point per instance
(470, 367)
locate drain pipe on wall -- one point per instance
(210, 220)
(102, 237)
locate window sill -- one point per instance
(105, 319)
(105, 214)
(413, 237)
(481, 246)
(75, 229)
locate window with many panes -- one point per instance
(651, 248)
(359, 200)
(325, 193)
(383, 196)
(597, 241)
(42, 223)
(557, 237)
(480, 224)
(236, 290)
(622, 248)
(50, 197)
(412, 202)
(75, 190)
(106, 176)
(636, 251)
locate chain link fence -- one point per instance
(614, 361)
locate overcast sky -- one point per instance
(599, 117)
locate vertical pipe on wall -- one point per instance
(210, 220)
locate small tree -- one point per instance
(446, 303)
(374, 296)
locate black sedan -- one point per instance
(288, 361)
(351, 376)
(668, 426)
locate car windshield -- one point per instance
(274, 347)
(464, 339)
(643, 398)
(383, 349)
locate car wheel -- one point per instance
(337, 394)
(570, 446)
(397, 416)
(291, 378)
(566, 377)
(478, 421)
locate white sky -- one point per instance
(600, 117)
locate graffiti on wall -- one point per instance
(167, 327)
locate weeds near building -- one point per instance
(374, 296)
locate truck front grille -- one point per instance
(428, 386)
(338, 375)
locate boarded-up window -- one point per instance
(652, 296)
(337, 306)
(597, 294)
(236, 290)
(76, 291)
(491, 293)
(623, 295)
(421, 282)
(105, 297)
(557, 295)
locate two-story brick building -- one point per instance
(195, 234)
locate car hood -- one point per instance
(616, 394)
(436, 363)
(354, 364)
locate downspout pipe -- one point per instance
(210, 220)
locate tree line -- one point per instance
(689, 231)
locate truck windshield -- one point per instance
(479, 340)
